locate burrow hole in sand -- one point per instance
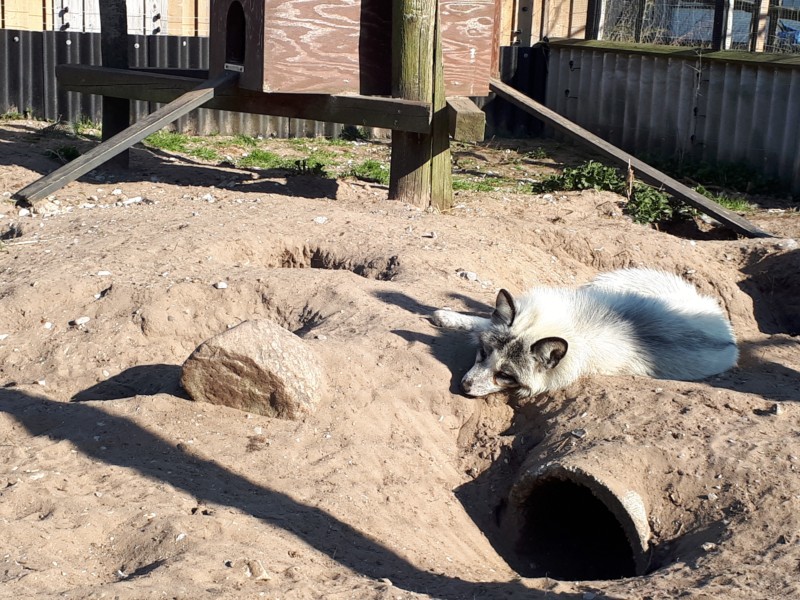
(565, 532)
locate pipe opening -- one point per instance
(568, 533)
(235, 38)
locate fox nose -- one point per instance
(466, 386)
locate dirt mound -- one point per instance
(113, 482)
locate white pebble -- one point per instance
(134, 200)
(3, 336)
(81, 321)
(42, 382)
(320, 220)
(24, 212)
(468, 275)
(221, 285)
(48, 325)
(103, 273)
(116, 192)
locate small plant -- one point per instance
(168, 140)
(264, 159)
(310, 167)
(589, 175)
(734, 204)
(204, 153)
(537, 154)
(63, 154)
(12, 114)
(371, 170)
(85, 127)
(245, 141)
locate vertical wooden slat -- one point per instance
(114, 51)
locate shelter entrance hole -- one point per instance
(565, 532)
(235, 35)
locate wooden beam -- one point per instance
(114, 53)
(369, 111)
(412, 45)
(643, 170)
(124, 140)
(421, 171)
(467, 120)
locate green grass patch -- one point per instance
(85, 127)
(264, 159)
(243, 141)
(12, 114)
(170, 141)
(735, 204)
(370, 170)
(204, 153)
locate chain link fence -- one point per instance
(732, 25)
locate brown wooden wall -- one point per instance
(337, 46)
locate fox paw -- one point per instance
(449, 319)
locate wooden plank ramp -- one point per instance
(122, 141)
(642, 170)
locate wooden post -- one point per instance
(114, 51)
(420, 165)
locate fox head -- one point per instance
(512, 359)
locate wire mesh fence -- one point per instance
(729, 24)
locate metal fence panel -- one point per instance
(675, 105)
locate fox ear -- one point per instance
(550, 351)
(504, 311)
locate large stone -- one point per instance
(258, 367)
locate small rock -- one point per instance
(776, 409)
(80, 321)
(103, 273)
(578, 433)
(208, 198)
(24, 212)
(48, 325)
(711, 496)
(258, 367)
(257, 571)
(3, 336)
(431, 234)
(709, 546)
(468, 275)
(116, 192)
(41, 382)
(221, 285)
(320, 220)
(134, 200)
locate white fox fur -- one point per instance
(626, 322)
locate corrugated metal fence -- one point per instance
(28, 83)
(679, 103)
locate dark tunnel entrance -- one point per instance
(567, 533)
(235, 35)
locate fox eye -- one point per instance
(505, 378)
(481, 354)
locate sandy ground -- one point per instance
(113, 484)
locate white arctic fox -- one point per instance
(626, 322)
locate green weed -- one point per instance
(370, 170)
(264, 159)
(204, 153)
(63, 154)
(590, 175)
(168, 140)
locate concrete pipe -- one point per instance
(582, 515)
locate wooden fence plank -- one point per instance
(642, 170)
(124, 140)
(350, 109)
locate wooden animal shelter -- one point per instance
(345, 46)
(360, 62)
